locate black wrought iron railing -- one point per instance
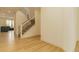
(27, 25)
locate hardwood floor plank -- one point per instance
(34, 44)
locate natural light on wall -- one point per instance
(10, 23)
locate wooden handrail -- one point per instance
(27, 20)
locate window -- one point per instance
(10, 23)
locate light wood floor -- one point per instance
(77, 47)
(9, 43)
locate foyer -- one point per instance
(39, 29)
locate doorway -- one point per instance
(10, 23)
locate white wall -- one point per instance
(58, 27)
(70, 35)
(20, 18)
(77, 23)
(38, 20)
(2, 22)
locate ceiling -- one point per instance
(8, 12)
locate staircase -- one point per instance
(25, 26)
